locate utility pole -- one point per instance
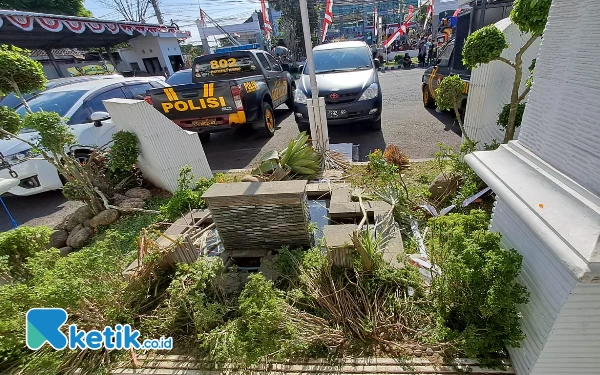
(157, 12)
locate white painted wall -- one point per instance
(547, 185)
(164, 146)
(491, 86)
(142, 47)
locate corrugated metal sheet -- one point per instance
(164, 147)
(547, 278)
(491, 86)
(563, 128)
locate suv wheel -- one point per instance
(267, 124)
(428, 101)
(376, 125)
(290, 101)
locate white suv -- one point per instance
(81, 104)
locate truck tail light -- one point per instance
(237, 97)
(148, 99)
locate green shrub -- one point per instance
(503, 116)
(261, 330)
(483, 46)
(193, 304)
(454, 163)
(475, 293)
(188, 195)
(19, 244)
(398, 58)
(10, 121)
(124, 152)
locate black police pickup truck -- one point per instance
(227, 90)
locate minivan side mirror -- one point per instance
(377, 63)
(98, 117)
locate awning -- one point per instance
(47, 31)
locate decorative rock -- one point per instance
(139, 192)
(132, 203)
(81, 238)
(104, 218)
(64, 251)
(71, 223)
(58, 239)
(82, 214)
(62, 225)
(88, 223)
(118, 198)
(73, 232)
(249, 178)
(429, 351)
(417, 353)
(444, 184)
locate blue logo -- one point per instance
(43, 326)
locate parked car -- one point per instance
(228, 90)
(12, 101)
(347, 79)
(182, 77)
(81, 103)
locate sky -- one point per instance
(185, 12)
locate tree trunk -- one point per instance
(514, 101)
(20, 96)
(460, 123)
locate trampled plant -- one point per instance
(475, 292)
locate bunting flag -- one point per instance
(402, 30)
(328, 19)
(95, 27)
(50, 24)
(267, 25)
(375, 26)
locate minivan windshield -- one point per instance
(341, 60)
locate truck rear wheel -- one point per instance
(428, 101)
(266, 125)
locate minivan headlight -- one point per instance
(299, 97)
(371, 92)
(20, 157)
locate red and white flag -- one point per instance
(429, 10)
(266, 24)
(402, 30)
(456, 12)
(202, 18)
(328, 19)
(375, 26)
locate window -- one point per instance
(82, 115)
(134, 66)
(341, 60)
(275, 67)
(180, 78)
(263, 61)
(139, 90)
(57, 101)
(211, 65)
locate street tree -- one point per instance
(130, 10)
(486, 45)
(449, 96)
(21, 74)
(65, 7)
(290, 22)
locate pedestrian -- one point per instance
(430, 54)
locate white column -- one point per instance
(548, 204)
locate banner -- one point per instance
(327, 19)
(375, 26)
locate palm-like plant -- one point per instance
(298, 158)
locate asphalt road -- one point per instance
(406, 123)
